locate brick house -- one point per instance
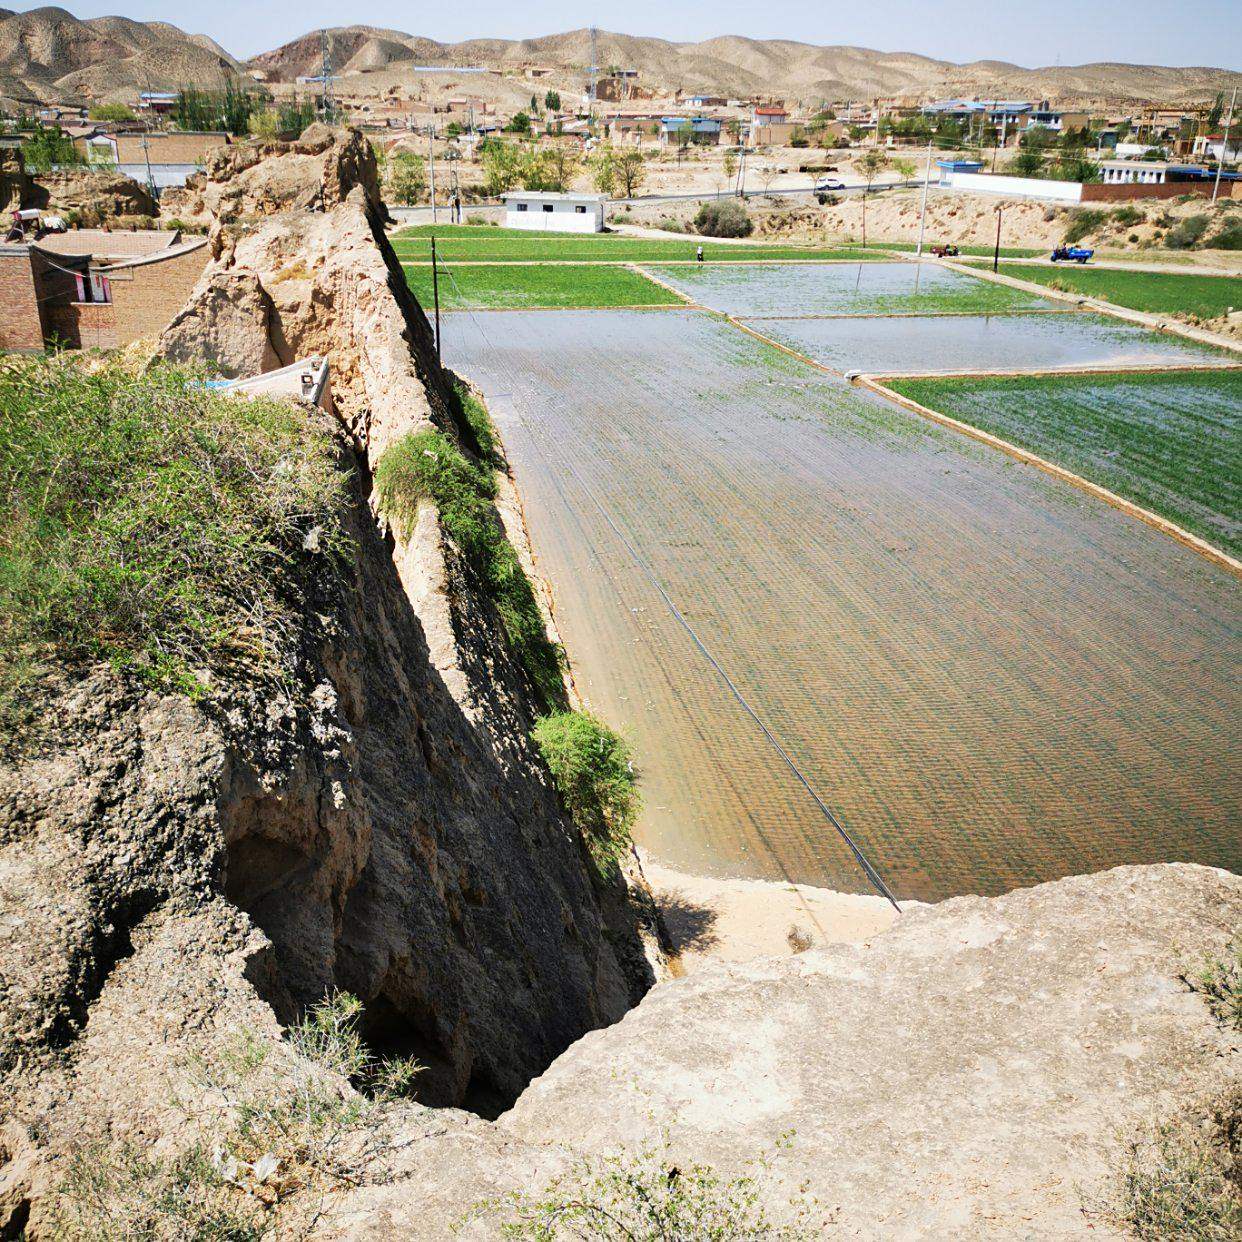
(91, 289)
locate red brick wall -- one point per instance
(146, 296)
(21, 325)
(1123, 192)
(84, 325)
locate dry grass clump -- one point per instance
(281, 1128)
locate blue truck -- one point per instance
(1071, 254)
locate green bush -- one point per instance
(1125, 216)
(47, 147)
(723, 218)
(1082, 223)
(1227, 237)
(475, 423)
(595, 777)
(1187, 233)
(148, 521)
(426, 465)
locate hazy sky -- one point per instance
(1184, 32)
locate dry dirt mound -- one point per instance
(49, 54)
(249, 179)
(94, 198)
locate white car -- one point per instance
(827, 185)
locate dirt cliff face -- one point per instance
(248, 179)
(169, 872)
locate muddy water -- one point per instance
(984, 342)
(993, 678)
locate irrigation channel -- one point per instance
(991, 676)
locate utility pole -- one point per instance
(996, 252)
(431, 165)
(923, 210)
(1224, 146)
(327, 103)
(594, 70)
(435, 292)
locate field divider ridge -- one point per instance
(875, 383)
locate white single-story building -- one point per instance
(555, 213)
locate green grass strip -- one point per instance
(474, 243)
(1169, 442)
(519, 287)
(1157, 293)
(148, 521)
(427, 465)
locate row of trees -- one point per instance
(508, 166)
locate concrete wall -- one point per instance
(561, 219)
(1020, 187)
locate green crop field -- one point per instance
(517, 286)
(1169, 442)
(472, 243)
(1155, 292)
(1011, 252)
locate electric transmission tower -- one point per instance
(593, 70)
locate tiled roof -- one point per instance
(110, 244)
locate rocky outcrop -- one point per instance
(316, 172)
(95, 198)
(971, 1072)
(383, 826)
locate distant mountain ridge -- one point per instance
(48, 54)
(735, 65)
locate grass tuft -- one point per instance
(278, 1133)
(426, 465)
(151, 522)
(1219, 981)
(594, 774)
(648, 1194)
(1179, 1181)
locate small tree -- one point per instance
(502, 166)
(407, 177)
(265, 124)
(603, 165)
(631, 172)
(112, 112)
(730, 165)
(552, 101)
(871, 163)
(519, 123)
(560, 166)
(1026, 164)
(48, 147)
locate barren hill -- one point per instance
(732, 64)
(50, 55)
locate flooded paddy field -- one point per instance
(1170, 442)
(894, 288)
(991, 676)
(894, 346)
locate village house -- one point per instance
(544, 210)
(95, 289)
(159, 159)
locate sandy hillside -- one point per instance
(732, 64)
